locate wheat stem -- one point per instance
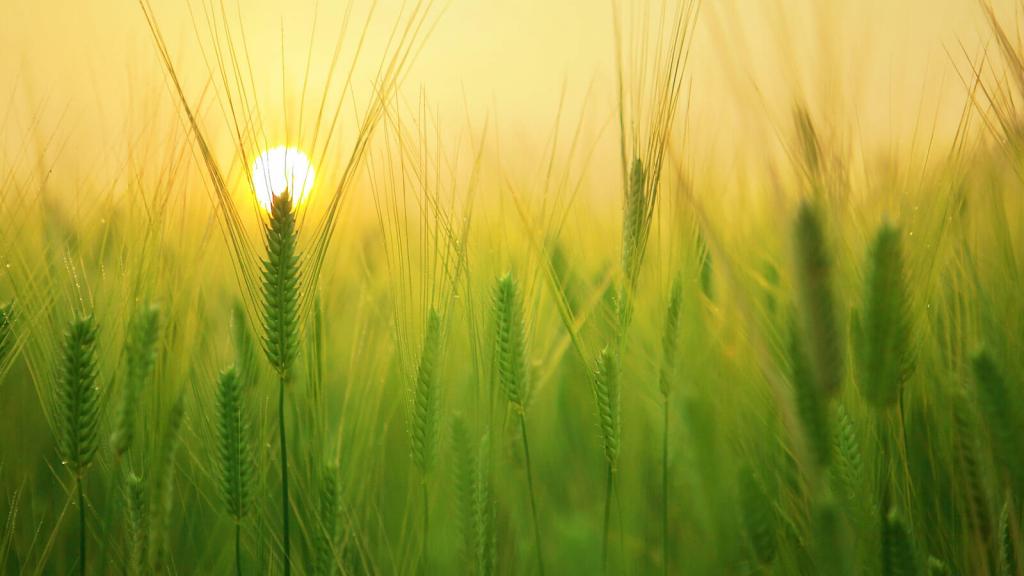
(81, 525)
(238, 548)
(282, 438)
(533, 497)
(664, 489)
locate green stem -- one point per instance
(238, 548)
(533, 498)
(426, 528)
(284, 478)
(622, 525)
(607, 517)
(81, 525)
(664, 489)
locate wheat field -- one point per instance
(624, 287)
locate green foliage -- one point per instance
(1001, 415)
(970, 468)
(136, 525)
(77, 397)
(235, 457)
(464, 481)
(7, 335)
(484, 512)
(883, 341)
(1009, 546)
(427, 397)
(898, 556)
(759, 516)
(811, 403)
(162, 516)
(245, 347)
(140, 355)
(849, 462)
(326, 533)
(670, 337)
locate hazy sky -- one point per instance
(86, 72)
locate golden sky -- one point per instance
(85, 73)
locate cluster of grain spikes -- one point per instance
(78, 412)
(648, 100)
(510, 359)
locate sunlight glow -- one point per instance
(279, 169)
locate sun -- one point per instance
(279, 169)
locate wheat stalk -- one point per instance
(78, 409)
(234, 453)
(882, 343)
(281, 295)
(510, 359)
(140, 355)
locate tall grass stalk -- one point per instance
(510, 358)
(140, 355)
(78, 410)
(426, 417)
(234, 456)
(281, 294)
(669, 345)
(606, 388)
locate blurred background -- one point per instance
(81, 81)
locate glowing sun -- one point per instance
(279, 169)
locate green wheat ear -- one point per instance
(1008, 551)
(327, 532)
(281, 330)
(78, 398)
(1001, 416)
(426, 397)
(510, 341)
(234, 450)
(831, 541)
(759, 516)
(882, 342)
(966, 444)
(634, 214)
(164, 493)
(140, 355)
(670, 338)
(848, 469)
(484, 518)
(817, 301)
(464, 481)
(281, 288)
(897, 547)
(606, 389)
(137, 524)
(811, 404)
